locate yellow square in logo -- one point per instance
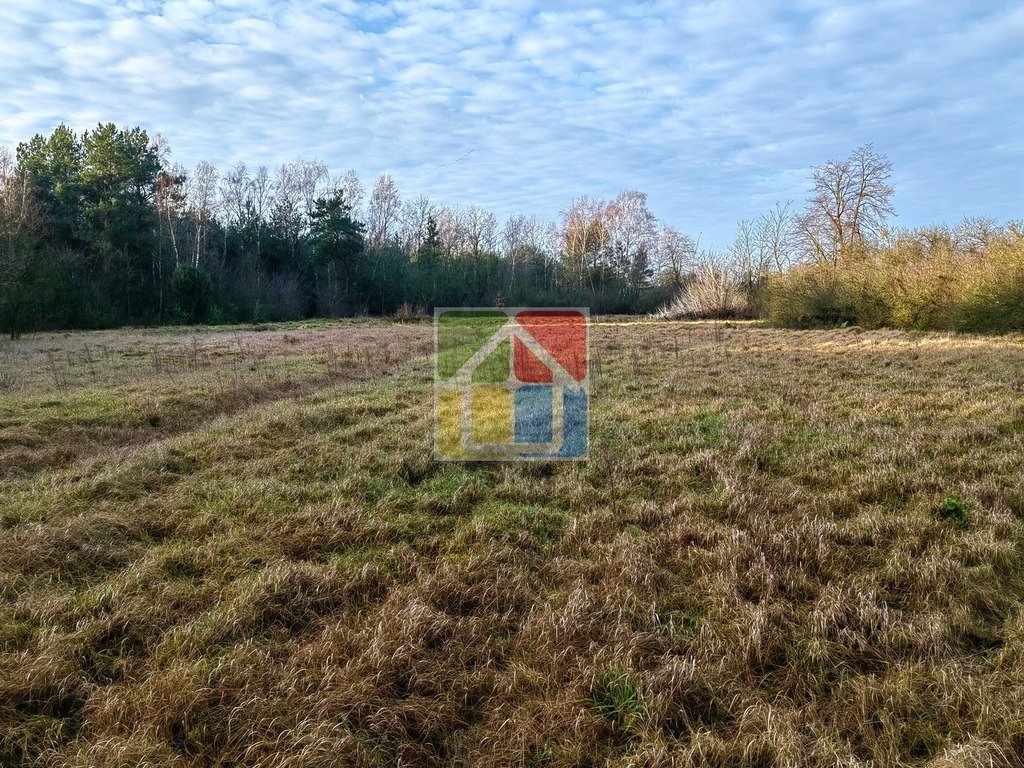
(449, 424)
(491, 412)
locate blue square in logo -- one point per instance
(533, 414)
(574, 427)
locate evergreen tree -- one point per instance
(338, 244)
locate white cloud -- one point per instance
(714, 108)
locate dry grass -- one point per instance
(713, 292)
(787, 548)
(67, 396)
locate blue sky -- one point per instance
(715, 109)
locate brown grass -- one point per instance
(712, 292)
(754, 568)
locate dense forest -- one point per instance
(101, 229)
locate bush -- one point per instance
(712, 293)
(993, 293)
(922, 282)
(995, 309)
(814, 297)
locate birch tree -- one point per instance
(202, 198)
(631, 231)
(20, 225)
(354, 192)
(416, 215)
(384, 211)
(584, 236)
(676, 253)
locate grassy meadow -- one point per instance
(231, 547)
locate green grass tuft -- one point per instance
(955, 510)
(616, 697)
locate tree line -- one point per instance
(101, 228)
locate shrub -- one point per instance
(923, 281)
(713, 293)
(817, 296)
(993, 291)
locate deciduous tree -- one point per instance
(851, 201)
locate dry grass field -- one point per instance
(232, 548)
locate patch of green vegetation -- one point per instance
(955, 510)
(616, 697)
(708, 424)
(15, 636)
(539, 757)
(511, 521)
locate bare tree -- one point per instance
(450, 231)
(480, 227)
(259, 203)
(520, 234)
(385, 206)
(163, 149)
(170, 199)
(286, 213)
(202, 197)
(535, 235)
(777, 236)
(354, 192)
(850, 202)
(262, 192)
(974, 233)
(234, 192)
(631, 235)
(13, 188)
(415, 216)
(296, 189)
(309, 176)
(584, 235)
(676, 254)
(20, 224)
(513, 234)
(763, 246)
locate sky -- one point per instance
(714, 109)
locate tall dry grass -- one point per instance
(712, 292)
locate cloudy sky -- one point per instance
(715, 109)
